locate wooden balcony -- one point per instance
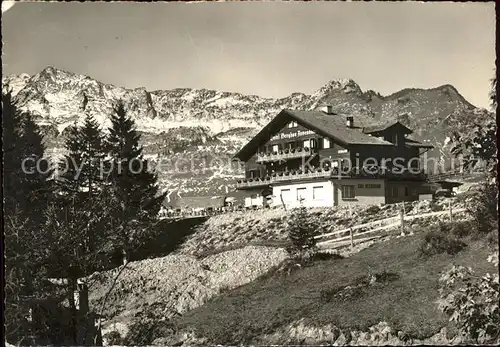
(283, 177)
(285, 154)
(324, 173)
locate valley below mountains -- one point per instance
(190, 135)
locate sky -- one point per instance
(269, 49)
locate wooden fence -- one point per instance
(351, 234)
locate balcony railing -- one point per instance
(325, 173)
(284, 176)
(285, 154)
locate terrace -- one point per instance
(299, 175)
(285, 154)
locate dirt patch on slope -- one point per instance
(169, 286)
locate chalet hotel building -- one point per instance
(319, 158)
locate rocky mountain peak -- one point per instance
(181, 120)
(345, 85)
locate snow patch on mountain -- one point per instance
(183, 121)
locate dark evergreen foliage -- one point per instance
(81, 169)
(105, 198)
(301, 231)
(134, 188)
(26, 190)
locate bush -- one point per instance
(146, 329)
(483, 208)
(321, 256)
(435, 207)
(472, 303)
(374, 209)
(113, 338)
(492, 239)
(441, 240)
(460, 229)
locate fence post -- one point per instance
(402, 215)
(451, 211)
(352, 238)
(282, 202)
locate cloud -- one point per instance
(7, 5)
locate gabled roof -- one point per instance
(332, 126)
(384, 126)
(416, 144)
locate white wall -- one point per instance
(258, 201)
(331, 193)
(313, 197)
(363, 195)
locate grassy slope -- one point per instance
(406, 303)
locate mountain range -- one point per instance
(185, 130)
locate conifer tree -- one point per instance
(81, 168)
(134, 187)
(78, 221)
(80, 211)
(26, 189)
(301, 231)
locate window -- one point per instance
(395, 139)
(318, 193)
(415, 163)
(254, 173)
(301, 194)
(276, 148)
(292, 124)
(326, 143)
(394, 192)
(290, 145)
(310, 143)
(348, 192)
(406, 191)
(314, 143)
(286, 195)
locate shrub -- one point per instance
(472, 303)
(146, 329)
(483, 208)
(321, 256)
(372, 209)
(492, 238)
(440, 240)
(113, 338)
(435, 207)
(460, 229)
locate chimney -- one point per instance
(350, 121)
(328, 109)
